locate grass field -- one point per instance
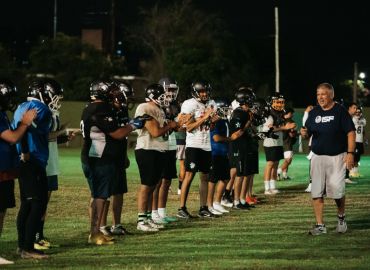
(271, 236)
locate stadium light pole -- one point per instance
(277, 66)
(55, 18)
(355, 78)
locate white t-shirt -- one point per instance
(172, 141)
(199, 137)
(270, 142)
(360, 124)
(52, 168)
(235, 104)
(144, 139)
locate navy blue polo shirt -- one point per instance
(8, 152)
(329, 130)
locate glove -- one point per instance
(139, 122)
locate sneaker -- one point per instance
(169, 219)
(40, 246)
(287, 178)
(349, 181)
(100, 239)
(274, 191)
(308, 189)
(214, 211)
(33, 254)
(178, 191)
(183, 213)
(241, 206)
(154, 224)
(251, 200)
(106, 230)
(342, 225)
(4, 261)
(118, 230)
(159, 220)
(226, 203)
(218, 207)
(145, 227)
(268, 192)
(204, 212)
(317, 230)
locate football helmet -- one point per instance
(224, 109)
(245, 96)
(116, 95)
(277, 102)
(8, 91)
(99, 90)
(156, 93)
(125, 88)
(48, 91)
(260, 110)
(170, 87)
(198, 87)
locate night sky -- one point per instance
(318, 42)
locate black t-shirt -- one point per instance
(329, 130)
(97, 121)
(246, 142)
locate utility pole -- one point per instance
(277, 66)
(55, 19)
(355, 78)
(112, 28)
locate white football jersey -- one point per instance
(199, 137)
(360, 124)
(270, 142)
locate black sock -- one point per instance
(180, 184)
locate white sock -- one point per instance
(242, 201)
(285, 174)
(162, 212)
(216, 203)
(236, 202)
(279, 171)
(267, 184)
(155, 214)
(272, 184)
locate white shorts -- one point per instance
(328, 174)
(288, 154)
(180, 152)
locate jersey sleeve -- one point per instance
(105, 122)
(187, 107)
(236, 122)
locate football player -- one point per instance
(198, 155)
(8, 155)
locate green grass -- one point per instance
(272, 236)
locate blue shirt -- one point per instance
(8, 152)
(36, 137)
(329, 130)
(220, 148)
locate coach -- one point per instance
(333, 146)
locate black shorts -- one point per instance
(33, 182)
(220, 169)
(197, 159)
(169, 170)
(7, 198)
(274, 153)
(119, 183)
(150, 164)
(52, 182)
(100, 175)
(247, 164)
(233, 159)
(359, 151)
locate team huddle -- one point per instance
(212, 137)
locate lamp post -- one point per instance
(355, 78)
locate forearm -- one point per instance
(190, 127)
(351, 142)
(13, 136)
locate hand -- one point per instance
(290, 125)
(172, 124)
(208, 112)
(25, 157)
(304, 132)
(28, 117)
(184, 118)
(350, 161)
(309, 108)
(137, 123)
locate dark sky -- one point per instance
(319, 41)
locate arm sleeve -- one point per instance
(304, 119)
(186, 107)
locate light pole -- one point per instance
(355, 78)
(55, 19)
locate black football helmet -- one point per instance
(117, 96)
(170, 87)
(260, 110)
(245, 96)
(125, 88)
(156, 93)
(99, 90)
(8, 92)
(276, 102)
(224, 109)
(200, 86)
(48, 91)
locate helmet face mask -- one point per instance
(224, 109)
(171, 88)
(48, 91)
(277, 102)
(201, 91)
(156, 93)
